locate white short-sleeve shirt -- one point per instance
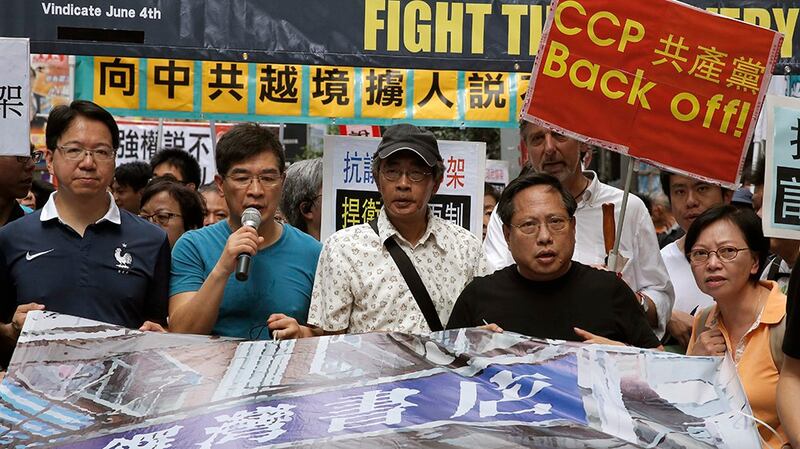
(358, 287)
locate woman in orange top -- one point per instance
(726, 249)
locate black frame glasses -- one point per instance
(160, 218)
(36, 157)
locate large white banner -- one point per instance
(15, 97)
(350, 196)
(80, 384)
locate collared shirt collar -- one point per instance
(49, 211)
(591, 189)
(386, 229)
(771, 313)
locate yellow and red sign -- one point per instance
(663, 82)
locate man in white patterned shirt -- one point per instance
(358, 286)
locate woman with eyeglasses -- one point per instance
(173, 206)
(726, 249)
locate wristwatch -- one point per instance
(643, 301)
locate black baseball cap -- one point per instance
(409, 137)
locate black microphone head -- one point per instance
(251, 217)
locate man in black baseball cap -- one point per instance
(410, 138)
(358, 286)
(408, 169)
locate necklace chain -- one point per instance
(578, 196)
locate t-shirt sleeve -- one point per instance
(632, 320)
(331, 298)
(187, 273)
(791, 339)
(461, 316)
(158, 297)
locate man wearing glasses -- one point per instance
(358, 286)
(561, 156)
(205, 296)
(80, 254)
(545, 293)
(15, 182)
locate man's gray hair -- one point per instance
(303, 181)
(659, 199)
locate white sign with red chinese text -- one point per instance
(360, 130)
(350, 196)
(15, 97)
(497, 173)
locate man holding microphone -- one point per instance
(228, 278)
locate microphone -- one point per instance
(250, 217)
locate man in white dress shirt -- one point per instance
(645, 273)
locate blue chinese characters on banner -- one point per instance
(512, 393)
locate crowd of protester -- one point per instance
(147, 247)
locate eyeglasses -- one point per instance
(36, 157)
(160, 218)
(77, 153)
(243, 181)
(554, 224)
(393, 174)
(726, 254)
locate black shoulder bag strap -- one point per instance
(413, 280)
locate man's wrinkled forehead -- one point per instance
(532, 129)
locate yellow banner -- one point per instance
(300, 93)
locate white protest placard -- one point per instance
(497, 173)
(781, 208)
(15, 97)
(350, 196)
(138, 141)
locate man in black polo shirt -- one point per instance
(546, 294)
(81, 255)
(15, 182)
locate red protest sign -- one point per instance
(659, 80)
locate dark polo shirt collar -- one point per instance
(50, 212)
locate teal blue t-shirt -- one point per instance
(281, 278)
